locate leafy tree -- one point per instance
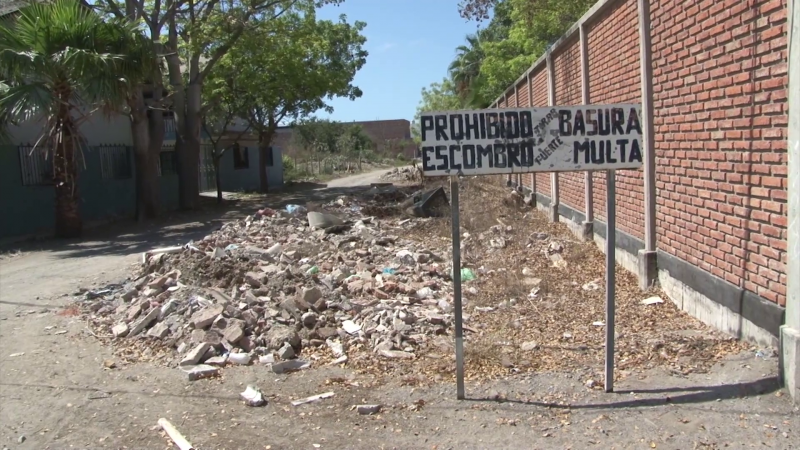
(63, 63)
(441, 96)
(285, 69)
(353, 144)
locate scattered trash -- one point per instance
(313, 398)
(252, 396)
(652, 301)
(296, 209)
(14, 355)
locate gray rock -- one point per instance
(129, 295)
(528, 346)
(327, 332)
(255, 279)
(366, 410)
(311, 295)
(309, 319)
(144, 322)
(288, 366)
(120, 330)
(195, 355)
(286, 352)
(200, 371)
(234, 333)
(277, 335)
(160, 331)
(205, 317)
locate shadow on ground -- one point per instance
(178, 228)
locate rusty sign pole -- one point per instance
(611, 247)
(457, 287)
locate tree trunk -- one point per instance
(65, 176)
(189, 150)
(264, 138)
(217, 176)
(156, 129)
(141, 157)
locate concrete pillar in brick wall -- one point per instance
(588, 224)
(648, 270)
(551, 101)
(790, 331)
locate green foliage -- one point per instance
(518, 33)
(287, 68)
(441, 96)
(60, 58)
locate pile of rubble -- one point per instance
(401, 174)
(280, 285)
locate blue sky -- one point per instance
(410, 45)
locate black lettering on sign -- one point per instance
(485, 152)
(426, 158)
(579, 127)
(472, 128)
(622, 143)
(598, 157)
(468, 155)
(526, 153)
(513, 155)
(456, 127)
(492, 127)
(512, 125)
(604, 122)
(617, 119)
(426, 125)
(590, 120)
(483, 126)
(500, 158)
(633, 122)
(549, 150)
(441, 127)
(636, 152)
(609, 150)
(581, 147)
(525, 124)
(441, 156)
(453, 149)
(564, 124)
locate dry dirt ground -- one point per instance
(57, 392)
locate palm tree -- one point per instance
(62, 62)
(467, 65)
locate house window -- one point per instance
(270, 157)
(36, 166)
(241, 157)
(115, 162)
(167, 163)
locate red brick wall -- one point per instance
(614, 78)
(720, 77)
(720, 74)
(539, 86)
(567, 69)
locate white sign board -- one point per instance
(522, 140)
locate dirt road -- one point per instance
(59, 388)
(363, 179)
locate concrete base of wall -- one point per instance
(712, 300)
(587, 232)
(790, 361)
(648, 269)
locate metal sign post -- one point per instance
(611, 246)
(457, 288)
(514, 141)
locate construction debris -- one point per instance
(175, 435)
(252, 396)
(311, 399)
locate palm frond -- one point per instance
(27, 101)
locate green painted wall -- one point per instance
(28, 210)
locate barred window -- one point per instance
(36, 165)
(167, 162)
(115, 162)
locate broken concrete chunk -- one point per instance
(195, 355)
(351, 327)
(160, 331)
(290, 366)
(313, 398)
(309, 319)
(234, 333)
(396, 354)
(200, 371)
(144, 322)
(255, 279)
(120, 330)
(205, 317)
(129, 295)
(366, 410)
(311, 295)
(217, 360)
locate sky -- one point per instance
(410, 44)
